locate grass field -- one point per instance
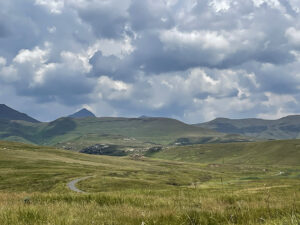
(144, 191)
(281, 152)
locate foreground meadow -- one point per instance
(33, 190)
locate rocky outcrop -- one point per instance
(103, 149)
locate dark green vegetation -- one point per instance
(124, 191)
(99, 149)
(128, 133)
(7, 113)
(284, 128)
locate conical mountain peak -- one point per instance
(82, 114)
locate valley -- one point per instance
(88, 170)
(136, 112)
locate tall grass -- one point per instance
(181, 206)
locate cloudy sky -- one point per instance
(193, 60)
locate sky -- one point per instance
(192, 60)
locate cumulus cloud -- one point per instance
(113, 89)
(54, 6)
(293, 36)
(192, 60)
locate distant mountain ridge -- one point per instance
(284, 128)
(7, 113)
(76, 134)
(144, 117)
(83, 113)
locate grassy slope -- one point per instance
(285, 152)
(153, 191)
(45, 169)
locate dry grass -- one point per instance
(131, 192)
(181, 206)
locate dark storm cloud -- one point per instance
(103, 22)
(105, 65)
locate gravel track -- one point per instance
(72, 184)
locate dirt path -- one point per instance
(280, 173)
(72, 184)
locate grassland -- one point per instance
(281, 152)
(153, 191)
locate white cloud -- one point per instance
(293, 36)
(110, 89)
(198, 93)
(278, 100)
(34, 57)
(108, 47)
(220, 5)
(279, 113)
(277, 106)
(39, 76)
(210, 108)
(77, 62)
(295, 5)
(272, 3)
(9, 74)
(2, 61)
(204, 39)
(54, 6)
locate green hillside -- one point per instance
(284, 128)
(129, 133)
(31, 168)
(286, 152)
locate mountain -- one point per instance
(7, 113)
(284, 128)
(128, 133)
(82, 114)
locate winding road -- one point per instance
(72, 184)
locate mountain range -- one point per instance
(83, 129)
(284, 128)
